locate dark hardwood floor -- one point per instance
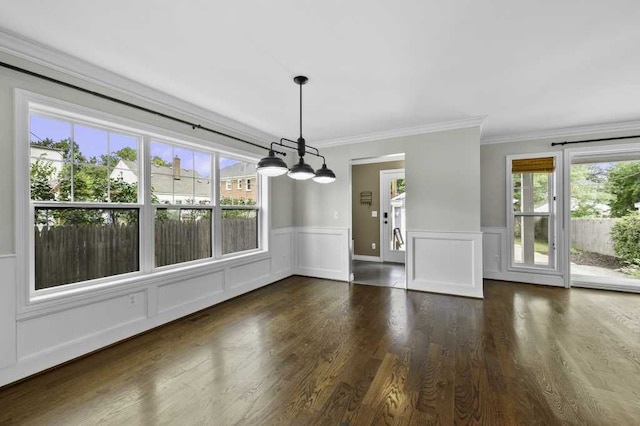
(308, 351)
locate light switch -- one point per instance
(374, 213)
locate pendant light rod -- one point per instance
(308, 148)
(300, 111)
(194, 126)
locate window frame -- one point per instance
(239, 187)
(29, 299)
(258, 208)
(554, 212)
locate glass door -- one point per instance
(605, 219)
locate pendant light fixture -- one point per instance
(275, 166)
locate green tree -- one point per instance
(43, 176)
(626, 238)
(589, 190)
(90, 182)
(157, 161)
(624, 185)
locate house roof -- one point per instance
(238, 170)
(190, 181)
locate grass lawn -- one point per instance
(541, 247)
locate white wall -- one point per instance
(56, 331)
(443, 182)
(443, 196)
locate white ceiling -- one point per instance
(374, 65)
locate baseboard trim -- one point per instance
(367, 258)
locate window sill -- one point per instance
(73, 297)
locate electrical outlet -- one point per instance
(373, 246)
(374, 213)
(132, 299)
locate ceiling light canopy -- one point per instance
(275, 166)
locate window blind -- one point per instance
(534, 165)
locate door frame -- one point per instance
(352, 162)
(383, 243)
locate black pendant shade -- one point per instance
(324, 175)
(272, 165)
(301, 171)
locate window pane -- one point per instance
(233, 176)
(90, 183)
(531, 241)
(531, 192)
(239, 230)
(49, 155)
(179, 175)
(182, 235)
(73, 245)
(123, 168)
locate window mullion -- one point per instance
(217, 211)
(147, 214)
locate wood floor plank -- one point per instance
(309, 351)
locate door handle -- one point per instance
(385, 222)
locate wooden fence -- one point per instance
(592, 235)
(68, 254)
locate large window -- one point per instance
(86, 210)
(109, 201)
(532, 212)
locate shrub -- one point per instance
(626, 238)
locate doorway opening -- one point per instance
(378, 221)
(605, 219)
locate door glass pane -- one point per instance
(531, 241)
(605, 223)
(397, 217)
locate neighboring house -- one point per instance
(170, 184)
(52, 156)
(239, 181)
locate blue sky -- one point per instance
(94, 142)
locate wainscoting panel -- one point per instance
(173, 295)
(493, 248)
(247, 274)
(39, 335)
(7, 310)
(495, 243)
(323, 253)
(282, 251)
(445, 262)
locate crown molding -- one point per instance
(566, 132)
(373, 160)
(406, 131)
(72, 66)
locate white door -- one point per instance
(393, 228)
